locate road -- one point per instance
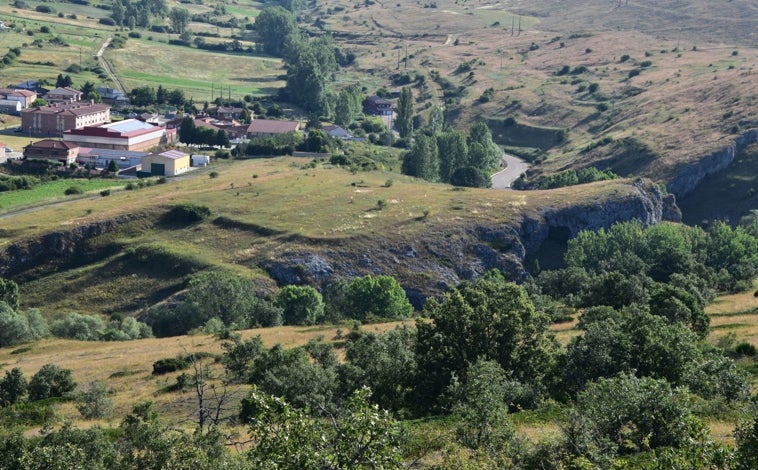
(513, 168)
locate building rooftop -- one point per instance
(173, 154)
(268, 126)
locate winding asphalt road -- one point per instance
(514, 166)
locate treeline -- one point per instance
(222, 301)
(190, 133)
(565, 178)
(18, 326)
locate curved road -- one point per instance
(513, 169)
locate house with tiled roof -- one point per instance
(24, 97)
(129, 134)
(63, 95)
(112, 96)
(52, 149)
(31, 85)
(268, 127)
(54, 119)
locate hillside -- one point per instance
(286, 221)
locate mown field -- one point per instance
(54, 191)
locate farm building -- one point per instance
(129, 134)
(168, 163)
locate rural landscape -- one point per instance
(445, 234)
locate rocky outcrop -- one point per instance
(62, 247)
(689, 176)
(443, 257)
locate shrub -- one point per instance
(50, 381)
(43, 9)
(72, 190)
(76, 326)
(94, 403)
(745, 349)
(213, 174)
(107, 21)
(646, 63)
(17, 328)
(624, 58)
(164, 366)
(105, 192)
(633, 73)
(187, 213)
(593, 87)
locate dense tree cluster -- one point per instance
(138, 12)
(192, 134)
(450, 157)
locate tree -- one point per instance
(112, 166)
(188, 130)
(453, 153)
(94, 403)
(302, 305)
(484, 154)
(142, 96)
(274, 24)
(627, 414)
(746, 436)
(176, 97)
(490, 319)
(436, 122)
(348, 105)
(386, 363)
(404, 121)
(422, 160)
(63, 81)
(9, 293)
(481, 409)
(50, 381)
(358, 436)
(89, 92)
(378, 297)
(179, 18)
(18, 327)
(227, 296)
(13, 387)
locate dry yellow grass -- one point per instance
(126, 366)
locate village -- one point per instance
(72, 130)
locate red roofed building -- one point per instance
(56, 118)
(52, 149)
(266, 127)
(129, 134)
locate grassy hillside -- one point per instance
(260, 208)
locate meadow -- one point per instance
(54, 191)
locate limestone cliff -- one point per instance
(690, 175)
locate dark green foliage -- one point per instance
(357, 436)
(470, 177)
(239, 356)
(13, 387)
(274, 24)
(404, 121)
(574, 177)
(453, 153)
(112, 166)
(73, 190)
(376, 297)
(490, 319)
(301, 305)
(51, 381)
(9, 293)
(172, 364)
(386, 363)
(746, 436)
(422, 160)
(626, 414)
(187, 213)
(630, 341)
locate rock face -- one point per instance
(440, 259)
(689, 176)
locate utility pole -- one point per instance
(513, 24)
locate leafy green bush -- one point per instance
(73, 190)
(49, 382)
(187, 213)
(173, 364)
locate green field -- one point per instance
(53, 191)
